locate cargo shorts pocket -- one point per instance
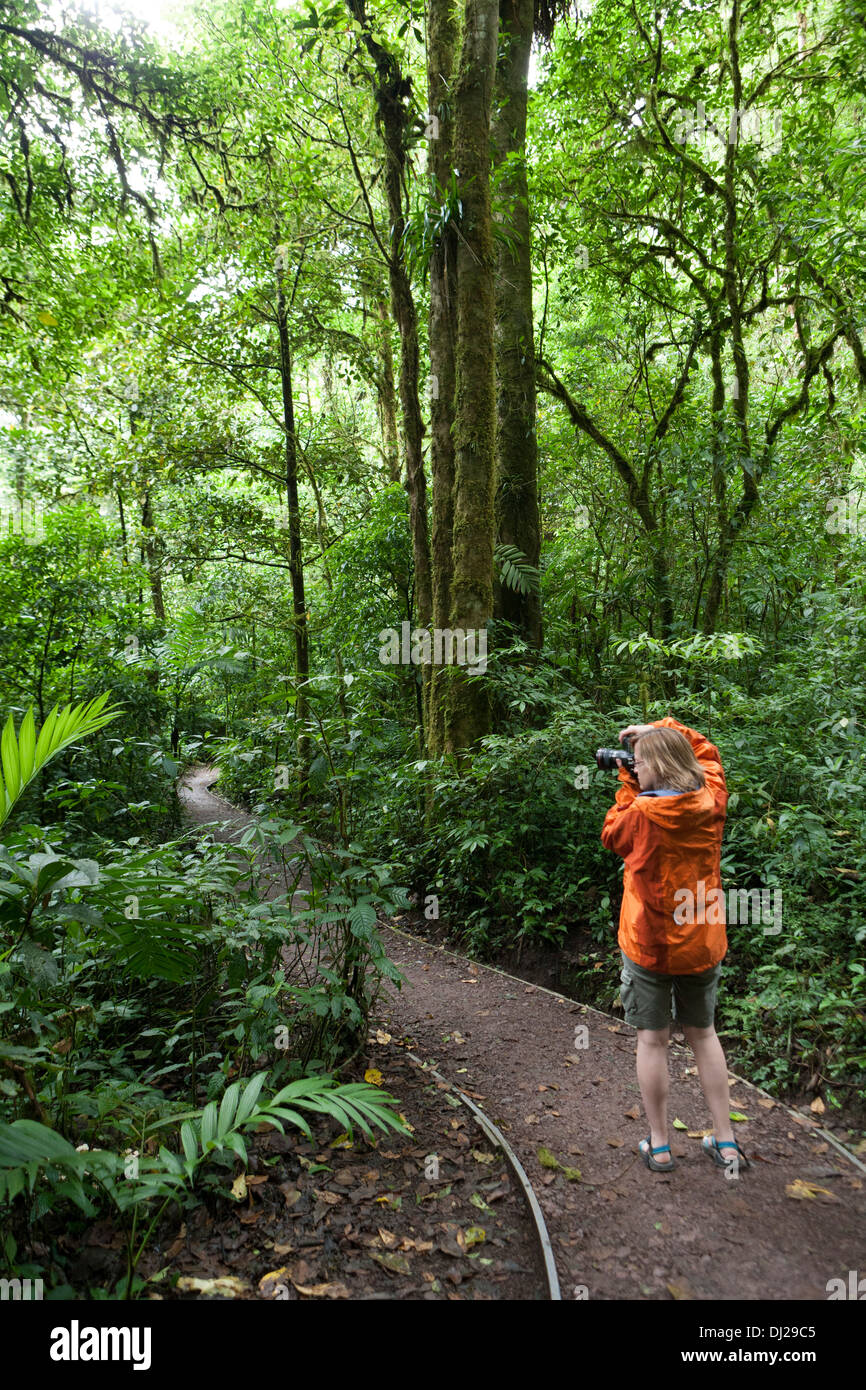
(628, 995)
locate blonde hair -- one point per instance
(669, 756)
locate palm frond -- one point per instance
(23, 758)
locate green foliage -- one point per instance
(151, 243)
(24, 758)
(515, 570)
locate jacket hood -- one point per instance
(673, 812)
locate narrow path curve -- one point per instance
(206, 808)
(559, 1076)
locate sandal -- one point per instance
(713, 1149)
(648, 1153)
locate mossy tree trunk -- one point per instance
(474, 432)
(442, 36)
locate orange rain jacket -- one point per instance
(670, 843)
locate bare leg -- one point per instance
(652, 1076)
(713, 1073)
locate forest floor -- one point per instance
(554, 1075)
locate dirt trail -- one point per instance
(558, 1074)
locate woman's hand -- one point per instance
(635, 731)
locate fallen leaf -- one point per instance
(765, 1103)
(474, 1235)
(373, 1076)
(422, 1246)
(282, 1249)
(329, 1198)
(800, 1189)
(268, 1282)
(392, 1260)
(678, 1124)
(738, 1117)
(290, 1193)
(388, 1238)
(226, 1284)
(680, 1291)
(481, 1157)
(254, 1180)
(502, 1191)
(239, 1187)
(818, 1107)
(322, 1290)
(699, 1133)
(615, 1143)
(178, 1242)
(531, 1120)
(382, 1037)
(633, 1114)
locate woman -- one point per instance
(667, 825)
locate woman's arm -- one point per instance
(617, 833)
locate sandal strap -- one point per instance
(663, 1148)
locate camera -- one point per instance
(605, 758)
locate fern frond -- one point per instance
(515, 571)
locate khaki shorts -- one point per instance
(653, 1001)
